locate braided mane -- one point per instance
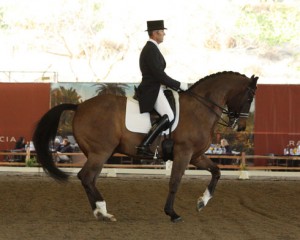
(213, 76)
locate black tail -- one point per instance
(45, 132)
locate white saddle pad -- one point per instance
(140, 122)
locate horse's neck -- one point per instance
(215, 92)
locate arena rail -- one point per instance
(239, 162)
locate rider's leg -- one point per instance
(162, 106)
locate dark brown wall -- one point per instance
(22, 105)
(277, 112)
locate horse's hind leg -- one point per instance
(203, 162)
(88, 176)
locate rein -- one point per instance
(204, 101)
(231, 115)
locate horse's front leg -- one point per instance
(204, 162)
(88, 176)
(178, 169)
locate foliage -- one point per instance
(94, 40)
(62, 95)
(3, 24)
(31, 162)
(271, 24)
(112, 88)
(239, 141)
(74, 31)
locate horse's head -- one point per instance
(239, 106)
(232, 89)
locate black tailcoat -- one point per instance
(152, 65)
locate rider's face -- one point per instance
(159, 36)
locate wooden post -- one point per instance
(243, 168)
(27, 154)
(243, 163)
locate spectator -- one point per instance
(55, 144)
(64, 148)
(226, 150)
(20, 144)
(225, 145)
(19, 147)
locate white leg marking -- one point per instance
(202, 201)
(206, 196)
(101, 211)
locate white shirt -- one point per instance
(151, 40)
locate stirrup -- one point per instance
(144, 151)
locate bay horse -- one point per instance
(100, 131)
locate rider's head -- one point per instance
(156, 30)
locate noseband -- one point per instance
(244, 110)
(233, 117)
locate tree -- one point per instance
(3, 24)
(77, 35)
(112, 88)
(272, 24)
(72, 31)
(62, 95)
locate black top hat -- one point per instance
(155, 25)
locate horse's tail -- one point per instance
(45, 132)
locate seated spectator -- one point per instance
(226, 150)
(225, 145)
(20, 144)
(64, 148)
(55, 144)
(20, 147)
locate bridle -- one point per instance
(233, 117)
(244, 109)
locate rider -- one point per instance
(150, 92)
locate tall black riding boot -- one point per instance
(144, 148)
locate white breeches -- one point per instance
(162, 105)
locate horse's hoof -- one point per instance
(177, 219)
(106, 219)
(200, 205)
(109, 219)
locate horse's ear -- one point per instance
(253, 81)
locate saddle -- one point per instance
(167, 144)
(154, 116)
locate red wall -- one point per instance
(22, 105)
(277, 118)
(277, 115)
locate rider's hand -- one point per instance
(183, 86)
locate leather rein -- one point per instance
(231, 115)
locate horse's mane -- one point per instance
(202, 80)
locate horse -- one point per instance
(100, 131)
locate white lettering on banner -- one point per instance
(7, 139)
(291, 143)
